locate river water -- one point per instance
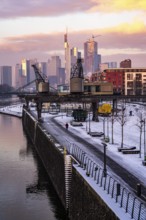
(26, 192)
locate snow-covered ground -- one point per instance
(132, 162)
(15, 110)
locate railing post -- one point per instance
(138, 189)
(127, 201)
(133, 207)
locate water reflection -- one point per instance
(26, 192)
(42, 184)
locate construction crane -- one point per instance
(92, 37)
(41, 85)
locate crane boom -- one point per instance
(41, 85)
(38, 75)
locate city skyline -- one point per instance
(34, 29)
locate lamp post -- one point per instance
(144, 143)
(86, 127)
(89, 124)
(144, 161)
(104, 169)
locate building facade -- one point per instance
(53, 70)
(135, 82)
(116, 77)
(92, 59)
(61, 76)
(67, 59)
(125, 64)
(27, 71)
(74, 55)
(127, 81)
(6, 75)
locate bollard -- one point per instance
(138, 189)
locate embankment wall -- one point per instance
(84, 202)
(49, 151)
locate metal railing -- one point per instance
(126, 199)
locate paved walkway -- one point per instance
(60, 133)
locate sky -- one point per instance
(34, 29)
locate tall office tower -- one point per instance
(6, 75)
(92, 59)
(125, 63)
(67, 60)
(74, 55)
(61, 76)
(18, 78)
(112, 64)
(53, 67)
(27, 70)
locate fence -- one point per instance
(126, 199)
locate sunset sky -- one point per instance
(35, 29)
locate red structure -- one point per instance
(115, 76)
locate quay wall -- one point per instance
(51, 156)
(76, 195)
(85, 203)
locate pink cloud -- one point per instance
(31, 8)
(43, 46)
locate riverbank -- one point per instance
(13, 110)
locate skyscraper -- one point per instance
(67, 59)
(6, 75)
(53, 67)
(27, 70)
(18, 78)
(91, 57)
(74, 55)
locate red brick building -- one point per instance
(115, 76)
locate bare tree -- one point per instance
(113, 119)
(122, 119)
(140, 124)
(104, 119)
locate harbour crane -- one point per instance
(41, 85)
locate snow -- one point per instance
(120, 212)
(14, 110)
(132, 162)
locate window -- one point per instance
(129, 76)
(87, 88)
(98, 88)
(130, 84)
(138, 76)
(138, 84)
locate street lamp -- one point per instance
(89, 123)
(104, 169)
(144, 161)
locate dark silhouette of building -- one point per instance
(125, 63)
